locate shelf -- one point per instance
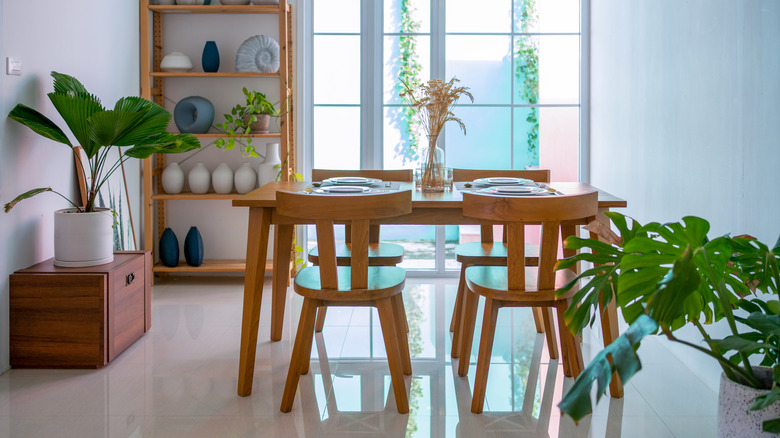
(210, 266)
(201, 74)
(218, 9)
(194, 196)
(219, 134)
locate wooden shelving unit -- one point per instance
(153, 81)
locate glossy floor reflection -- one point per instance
(179, 380)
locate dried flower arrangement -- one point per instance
(433, 102)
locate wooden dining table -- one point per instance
(442, 208)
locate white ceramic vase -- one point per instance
(83, 239)
(734, 419)
(267, 173)
(245, 179)
(172, 179)
(222, 179)
(199, 179)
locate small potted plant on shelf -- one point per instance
(666, 276)
(251, 118)
(83, 234)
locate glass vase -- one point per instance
(432, 167)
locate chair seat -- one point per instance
(492, 282)
(379, 254)
(383, 282)
(478, 253)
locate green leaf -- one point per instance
(76, 111)
(576, 402)
(737, 343)
(110, 126)
(772, 426)
(682, 280)
(762, 401)
(26, 195)
(39, 123)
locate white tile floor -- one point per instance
(179, 380)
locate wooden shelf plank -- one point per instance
(200, 74)
(217, 9)
(210, 266)
(194, 196)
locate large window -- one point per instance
(521, 60)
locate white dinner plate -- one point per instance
(352, 181)
(502, 181)
(343, 189)
(516, 190)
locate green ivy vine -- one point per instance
(409, 69)
(527, 70)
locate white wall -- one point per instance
(685, 115)
(97, 42)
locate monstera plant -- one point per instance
(135, 123)
(666, 276)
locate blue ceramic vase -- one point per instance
(193, 115)
(193, 247)
(210, 58)
(169, 248)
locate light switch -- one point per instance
(13, 66)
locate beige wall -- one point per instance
(685, 115)
(97, 42)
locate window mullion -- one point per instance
(370, 84)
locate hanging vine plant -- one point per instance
(527, 70)
(409, 69)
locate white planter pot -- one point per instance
(734, 399)
(83, 239)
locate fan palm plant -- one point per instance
(133, 121)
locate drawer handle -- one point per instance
(130, 278)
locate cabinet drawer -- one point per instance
(126, 304)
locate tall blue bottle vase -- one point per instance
(193, 247)
(169, 248)
(210, 58)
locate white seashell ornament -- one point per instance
(259, 53)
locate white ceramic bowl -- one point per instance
(176, 62)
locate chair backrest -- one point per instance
(538, 175)
(403, 175)
(357, 211)
(516, 212)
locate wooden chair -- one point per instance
(517, 284)
(486, 252)
(379, 254)
(357, 285)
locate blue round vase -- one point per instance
(193, 115)
(169, 248)
(210, 58)
(193, 247)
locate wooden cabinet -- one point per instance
(153, 87)
(79, 317)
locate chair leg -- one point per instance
(399, 315)
(458, 299)
(537, 313)
(485, 351)
(469, 319)
(549, 331)
(570, 345)
(320, 319)
(300, 354)
(457, 314)
(386, 319)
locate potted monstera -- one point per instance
(83, 235)
(666, 276)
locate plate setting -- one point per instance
(502, 181)
(516, 190)
(342, 189)
(352, 181)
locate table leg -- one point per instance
(256, 249)
(282, 243)
(609, 322)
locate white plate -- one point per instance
(502, 181)
(352, 181)
(516, 190)
(343, 189)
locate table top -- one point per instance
(265, 196)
